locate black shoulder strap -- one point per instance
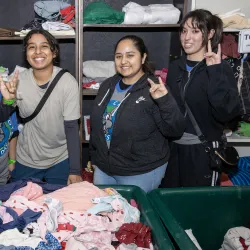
(193, 121)
(44, 98)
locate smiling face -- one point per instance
(192, 41)
(39, 53)
(129, 61)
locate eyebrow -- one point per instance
(40, 43)
(125, 52)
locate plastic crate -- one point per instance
(208, 211)
(149, 217)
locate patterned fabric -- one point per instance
(241, 177)
(6, 130)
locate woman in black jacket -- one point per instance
(206, 83)
(131, 121)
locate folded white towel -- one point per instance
(151, 14)
(93, 68)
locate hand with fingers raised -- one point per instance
(211, 57)
(8, 89)
(157, 90)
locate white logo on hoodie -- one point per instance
(141, 98)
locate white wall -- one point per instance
(222, 6)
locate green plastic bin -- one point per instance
(208, 211)
(160, 239)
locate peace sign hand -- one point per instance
(157, 90)
(211, 57)
(8, 89)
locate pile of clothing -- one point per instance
(37, 215)
(235, 19)
(58, 17)
(132, 13)
(95, 72)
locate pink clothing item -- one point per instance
(117, 218)
(84, 223)
(75, 244)
(100, 240)
(21, 204)
(6, 217)
(76, 197)
(133, 203)
(31, 191)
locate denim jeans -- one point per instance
(146, 182)
(57, 174)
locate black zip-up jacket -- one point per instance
(210, 92)
(140, 134)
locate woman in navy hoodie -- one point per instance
(132, 119)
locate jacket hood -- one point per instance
(140, 84)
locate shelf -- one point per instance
(14, 38)
(89, 91)
(131, 26)
(231, 30)
(238, 139)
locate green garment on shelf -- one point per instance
(101, 13)
(244, 129)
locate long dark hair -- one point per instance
(147, 67)
(205, 21)
(54, 46)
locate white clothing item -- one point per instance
(232, 13)
(191, 236)
(151, 14)
(232, 238)
(56, 26)
(131, 246)
(55, 208)
(131, 5)
(94, 68)
(135, 17)
(14, 237)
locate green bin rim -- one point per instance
(173, 227)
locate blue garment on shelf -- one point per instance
(241, 176)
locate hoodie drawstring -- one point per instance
(104, 98)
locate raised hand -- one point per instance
(211, 57)
(8, 89)
(157, 90)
